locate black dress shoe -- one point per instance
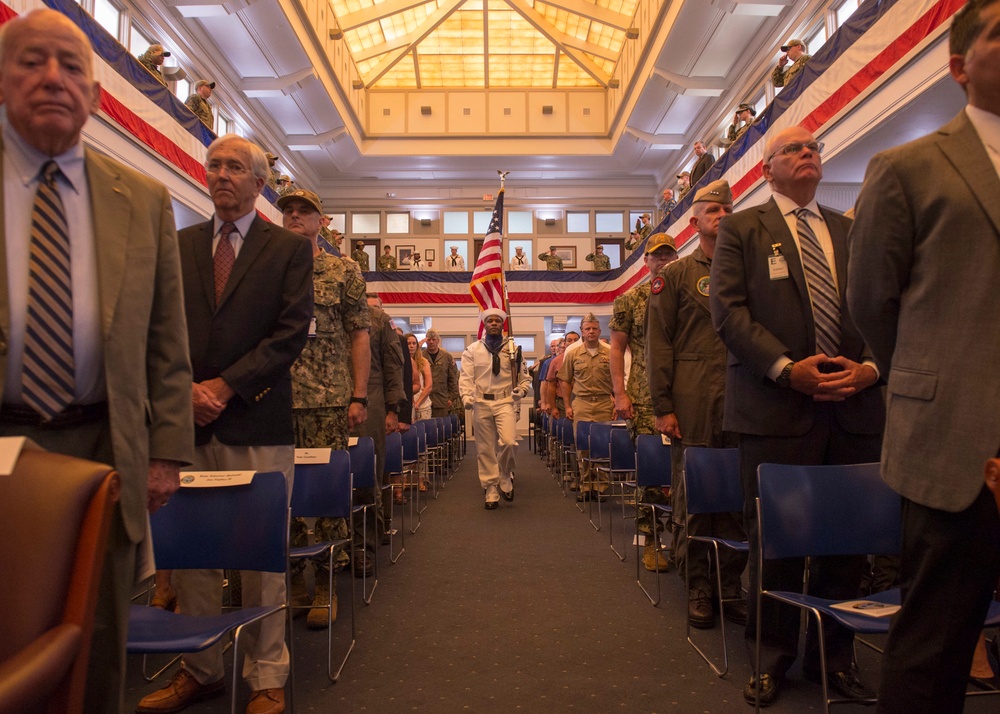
(491, 505)
(736, 611)
(847, 683)
(508, 496)
(768, 690)
(700, 613)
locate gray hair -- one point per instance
(258, 159)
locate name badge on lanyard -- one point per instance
(777, 267)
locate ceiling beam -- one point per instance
(411, 40)
(312, 142)
(559, 39)
(277, 86)
(692, 86)
(672, 141)
(593, 12)
(379, 11)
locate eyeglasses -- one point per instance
(796, 148)
(232, 167)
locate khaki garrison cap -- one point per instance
(715, 192)
(658, 240)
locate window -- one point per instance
(137, 40)
(183, 89)
(816, 39)
(457, 222)
(365, 223)
(609, 222)
(397, 223)
(455, 345)
(845, 10)
(525, 342)
(224, 125)
(518, 222)
(338, 221)
(577, 222)
(108, 16)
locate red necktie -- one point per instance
(225, 256)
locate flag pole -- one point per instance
(513, 350)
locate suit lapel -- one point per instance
(964, 149)
(253, 243)
(202, 248)
(777, 231)
(838, 236)
(110, 206)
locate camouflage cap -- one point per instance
(303, 195)
(271, 157)
(659, 240)
(647, 216)
(157, 49)
(715, 192)
(682, 174)
(744, 107)
(360, 244)
(793, 43)
(204, 83)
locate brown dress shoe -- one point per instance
(267, 701)
(700, 613)
(182, 691)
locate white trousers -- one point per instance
(199, 592)
(496, 436)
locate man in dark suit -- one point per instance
(128, 397)
(798, 385)
(924, 260)
(703, 164)
(248, 297)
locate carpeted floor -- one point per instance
(521, 609)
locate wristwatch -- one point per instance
(363, 401)
(784, 379)
(394, 408)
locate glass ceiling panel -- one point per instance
(452, 49)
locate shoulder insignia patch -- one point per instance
(656, 287)
(356, 288)
(703, 286)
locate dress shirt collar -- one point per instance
(28, 161)
(242, 224)
(987, 126)
(787, 205)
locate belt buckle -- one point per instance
(489, 397)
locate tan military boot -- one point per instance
(653, 559)
(300, 597)
(317, 619)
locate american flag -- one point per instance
(487, 277)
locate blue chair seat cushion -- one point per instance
(311, 551)
(155, 631)
(738, 545)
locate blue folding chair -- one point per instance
(599, 459)
(415, 464)
(363, 471)
(239, 528)
(394, 469)
(805, 511)
(579, 436)
(652, 470)
(325, 491)
(621, 471)
(712, 485)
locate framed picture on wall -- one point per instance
(568, 255)
(404, 256)
(430, 254)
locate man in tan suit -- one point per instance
(925, 252)
(126, 396)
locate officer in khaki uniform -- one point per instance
(586, 386)
(686, 364)
(359, 256)
(552, 261)
(632, 403)
(386, 261)
(327, 400)
(600, 261)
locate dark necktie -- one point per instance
(48, 378)
(822, 289)
(454, 262)
(225, 256)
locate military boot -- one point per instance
(317, 619)
(654, 560)
(300, 597)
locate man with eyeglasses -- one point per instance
(924, 261)
(800, 386)
(248, 295)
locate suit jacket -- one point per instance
(701, 167)
(925, 258)
(146, 365)
(255, 334)
(760, 319)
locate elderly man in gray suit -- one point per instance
(924, 263)
(799, 384)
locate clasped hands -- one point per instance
(209, 399)
(851, 378)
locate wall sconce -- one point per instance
(550, 221)
(632, 33)
(547, 109)
(336, 33)
(358, 84)
(425, 111)
(425, 222)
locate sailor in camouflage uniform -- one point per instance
(686, 365)
(600, 261)
(386, 261)
(359, 256)
(632, 403)
(795, 51)
(327, 399)
(152, 59)
(198, 102)
(552, 261)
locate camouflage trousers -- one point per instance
(320, 428)
(642, 422)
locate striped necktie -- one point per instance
(222, 263)
(48, 377)
(822, 289)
